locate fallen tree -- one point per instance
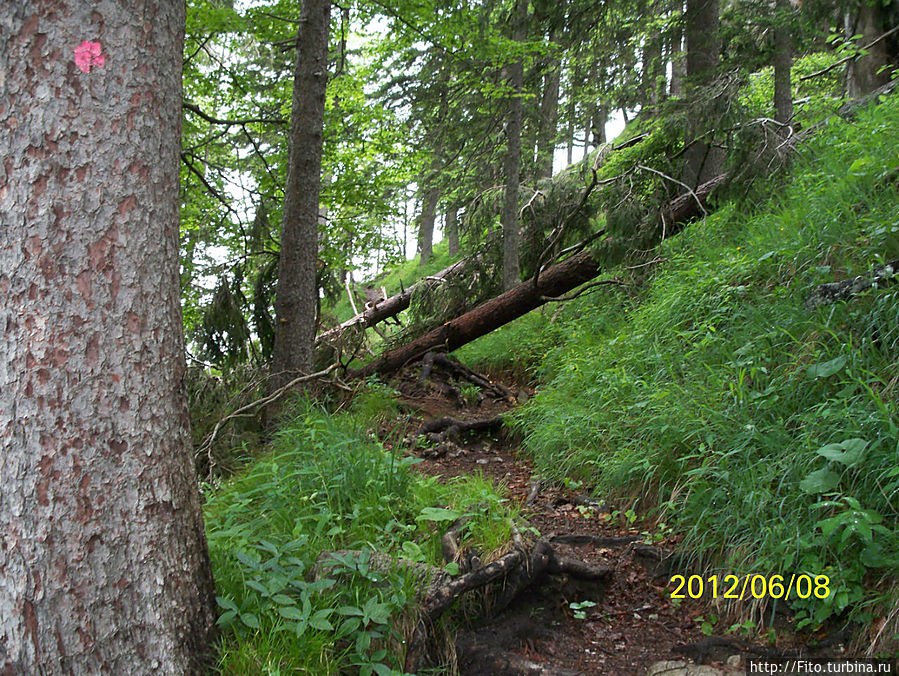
(550, 284)
(384, 309)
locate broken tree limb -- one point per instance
(458, 369)
(552, 282)
(825, 294)
(385, 309)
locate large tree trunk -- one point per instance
(553, 282)
(783, 63)
(451, 227)
(871, 20)
(701, 160)
(653, 83)
(549, 119)
(678, 62)
(297, 294)
(427, 216)
(511, 269)
(102, 547)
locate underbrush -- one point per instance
(764, 431)
(328, 486)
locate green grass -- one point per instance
(327, 485)
(766, 433)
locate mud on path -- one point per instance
(561, 626)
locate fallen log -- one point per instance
(385, 309)
(552, 282)
(832, 292)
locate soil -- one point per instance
(625, 626)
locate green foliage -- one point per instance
(765, 433)
(327, 486)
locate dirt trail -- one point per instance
(562, 626)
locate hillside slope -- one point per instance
(765, 432)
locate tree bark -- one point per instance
(598, 123)
(511, 269)
(701, 160)
(297, 293)
(678, 63)
(102, 547)
(451, 226)
(553, 282)
(783, 63)
(653, 85)
(872, 70)
(426, 218)
(549, 119)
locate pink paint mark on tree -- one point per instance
(87, 55)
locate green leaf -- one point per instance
(258, 586)
(872, 556)
(290, 612)
(350, 610)
(412, 550)
(820, 481)
(226, 618)
(284, 600)
(826, 369)
(438, 514)
(452, 568)
(382, 669)
(377, 612)
(226, 603)
(847, 453)
(321, 624)
(250, 620)
(248, 561)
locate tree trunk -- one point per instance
(549, 119)
(511, 270)
(701, 160)
(553, 282)
(783, 62)
(872, 70)
(297, 293)
(426, 218)
(600, 117)
(451, 226)
(652, 71)
(102, 547)
(678, 63)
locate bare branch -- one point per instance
(836, 64)
(194, 108)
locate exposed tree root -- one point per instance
(517, 569)
(442, 429)
(461, 371)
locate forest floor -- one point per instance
(627, 625)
